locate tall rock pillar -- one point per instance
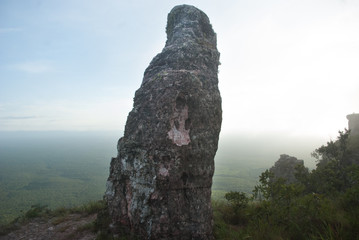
(160, 183)
(353, 124)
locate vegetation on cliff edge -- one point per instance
(322, 204)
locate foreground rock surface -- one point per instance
(160, 183)
(72, 226)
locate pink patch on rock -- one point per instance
(163, 172)
(179, 134)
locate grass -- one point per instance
(223, 230)
(249, 223)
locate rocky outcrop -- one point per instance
(353, 124)
(160, 183)
(352, 153)
(285, 168)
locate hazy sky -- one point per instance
(288, 67)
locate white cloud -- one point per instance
(287, 66)
(34, 67)
(107, 113)
(8, 30)
(18, 117)
(292, 71)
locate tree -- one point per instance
(263, 190)
(332, 174)
(237, 199)
(338, 150)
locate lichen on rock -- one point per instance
(159, 185)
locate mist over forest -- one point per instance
(265, 149)
(59, 168)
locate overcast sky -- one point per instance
(287, 67)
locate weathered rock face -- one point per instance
(285, 168)
(353, 124)
(160, 183)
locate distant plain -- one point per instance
(65, 169)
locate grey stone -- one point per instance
(285, 168)
(159, 185)
(353, 124)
